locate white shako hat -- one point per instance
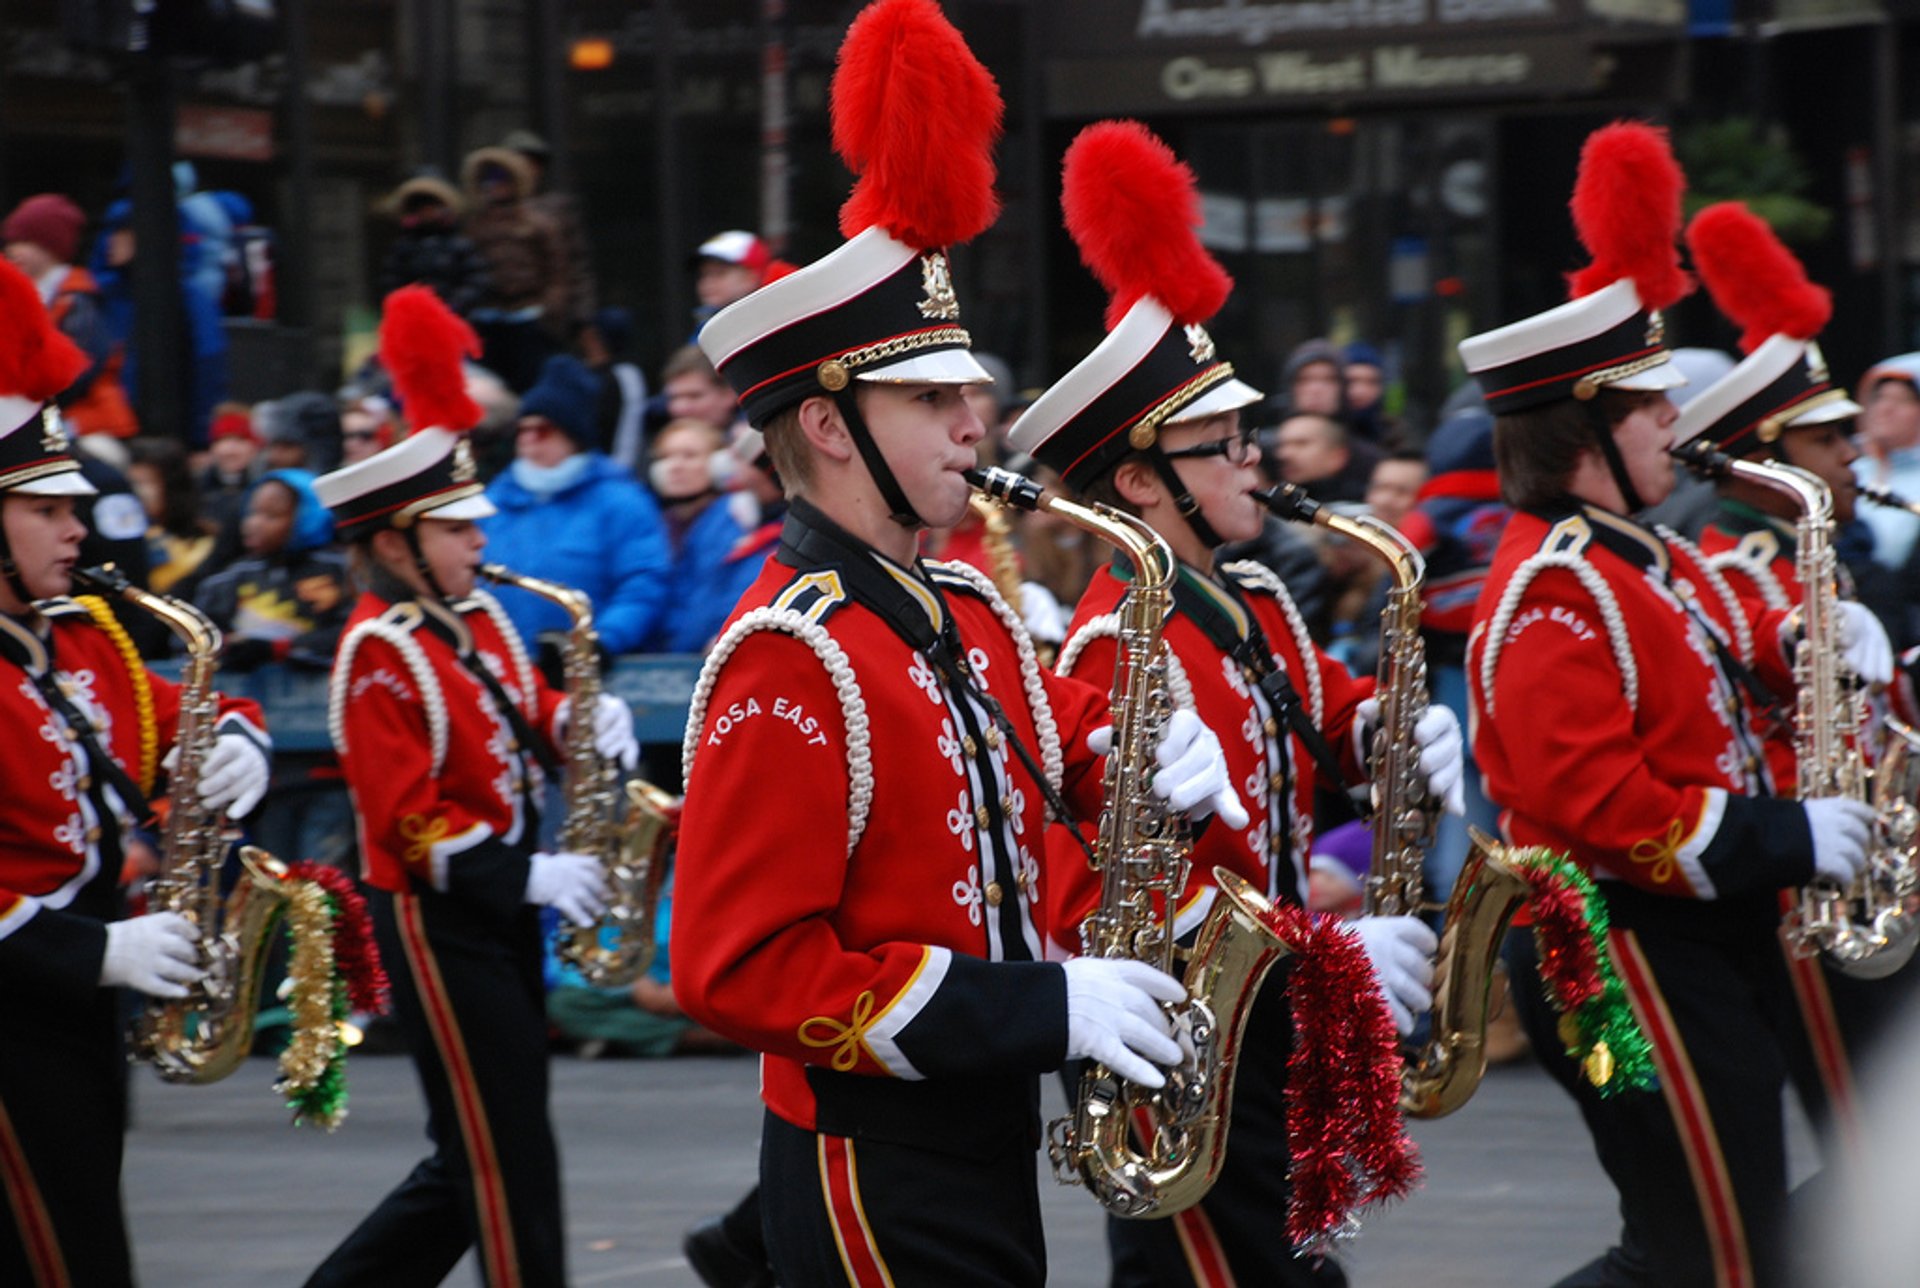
(1626, 209)
(882, 306)
(429, 473)
(37, 364)
(1783, 381)
(1132, 209)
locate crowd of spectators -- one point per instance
(658, 501)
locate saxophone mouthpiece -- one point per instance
(1289, 502)
(493, 572)
(1702, 458)
(1016, 490)
(107, 577)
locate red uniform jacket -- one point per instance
(1755, 553)
(1606, 722)
(857, 890)
(61, 829)
(1208, 680)
(439, 779)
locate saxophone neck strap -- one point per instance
(105, 768)
(509, 710)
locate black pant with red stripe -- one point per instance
(63, 1112)
(1237, 1234)
(470, 1000)
(864, 1209)
(1700, 1165)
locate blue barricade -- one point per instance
(658, 686)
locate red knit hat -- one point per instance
(50, 222)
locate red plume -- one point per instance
(422, 343)
(1626, 208)
(1132, 208)
(915, 116)
(36, 360)
(1755, 280)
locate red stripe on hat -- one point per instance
(489, 1187)
(808, 366)
(30, 1210)
(1130, 421)
(1712, 1186)
(1615, 361)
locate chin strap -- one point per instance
(1182, 499)
(1610, 452)
(420, 565)
(900, 510)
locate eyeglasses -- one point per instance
(1238, 448)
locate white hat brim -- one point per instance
(1662, 375)
(477, 506)
(1826, 413)
(1231, 395)
(65, 483)
(939, 367)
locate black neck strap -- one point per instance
(105, 768)
(420, 565)
(900, 510)
(516, 719)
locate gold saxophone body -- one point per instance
(204, 1036)
(1445, 1073)
(1142, 852)
(618, 947)
(1868, 929)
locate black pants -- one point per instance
(1237, 1234)
(1700, 1164)
(840, 1211)
(469, 998)
(63, 1118)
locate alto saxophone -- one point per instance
(1487, 893)
(1142, 853)
(204, 1036)
(1866, 929)
(619, 946)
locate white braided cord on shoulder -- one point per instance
(1266, 579)
(1603, 599)
(516, 651)
(1742, 628)
(1047, 729)
(853, 707)
(1772, 593)
(403, 643)
(1107, 627)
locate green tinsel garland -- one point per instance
(1597, 1024)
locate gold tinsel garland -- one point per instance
(315, 1042)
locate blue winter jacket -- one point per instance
(703, 593)
(602, 535)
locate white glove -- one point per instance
(1863, 642)
(234, 776)
(1192, 778)
(1442, 752)
(573, 884)
(155, 954)
(612, 729)
(1114, 1016)
(1401, 950)
(1842, 828)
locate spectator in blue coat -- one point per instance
(569, 514)
(702, 530)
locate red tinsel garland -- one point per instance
(354, 953)
(1568, 960)
(1345, 1131)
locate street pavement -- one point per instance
(222, 1192)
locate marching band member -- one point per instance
(1149, 423)
(443, 725)
(1610, 670)
(89, 726)
(872, 745)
